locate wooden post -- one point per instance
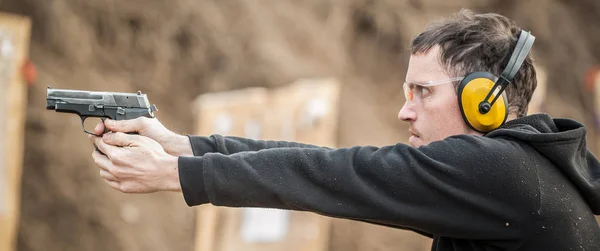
(305, 111)
(14, 47)
(230, 113)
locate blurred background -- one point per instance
(176, 50)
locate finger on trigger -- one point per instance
(99, 129)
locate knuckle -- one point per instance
(107, 137)
(143, 120)
(116, 157)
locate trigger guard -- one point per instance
(83, 118)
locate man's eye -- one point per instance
(423, 92)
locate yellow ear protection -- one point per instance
(477, 88)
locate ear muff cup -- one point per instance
(472, 90)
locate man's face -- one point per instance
(433, 112)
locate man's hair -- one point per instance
(480, 42)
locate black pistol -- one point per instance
(113, 105)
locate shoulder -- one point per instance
(472, 147)
(503, 167)
(483, 157)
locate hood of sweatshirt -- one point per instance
(562, 141)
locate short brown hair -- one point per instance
(480, 42)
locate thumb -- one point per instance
(118, 139)
(131, 125)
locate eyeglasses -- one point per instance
(417, 91)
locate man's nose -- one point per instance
(407, 113)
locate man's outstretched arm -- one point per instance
(440, 189)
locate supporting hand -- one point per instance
(135, 164)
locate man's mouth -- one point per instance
(413, 133)
(414, 137)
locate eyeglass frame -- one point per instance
(427, 84)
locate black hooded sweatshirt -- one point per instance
(529, 185)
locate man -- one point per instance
(529, 184)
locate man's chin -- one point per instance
(415, 141)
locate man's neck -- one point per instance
(511, 116)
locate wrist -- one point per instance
(172, 176)
(180, 146)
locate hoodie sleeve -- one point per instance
(229, 144)
(449, 188)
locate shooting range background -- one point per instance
(177, 50)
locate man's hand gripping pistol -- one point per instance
(113, 105)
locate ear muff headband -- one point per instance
(515, 62)
(476, 89)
